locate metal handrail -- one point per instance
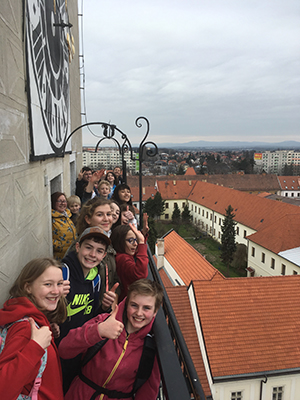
(178, 371)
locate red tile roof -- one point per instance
(186, 261)
(250, 210)
(148, 191)
(283, 234)
(289, 182)
(181, 305)
(250, 324)
(190, 171)
(165, 279)
(174, 189)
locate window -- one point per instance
(220, 221)
(183, 204)
(167, 205)
(219, 235)
(202, 213)
(192, 207)
(237, 230)
(207, 214)
(283, 268)
(295, 272)
(199, 210)
(236, 395)
(215, 219)
(263, 256)
(195, 209)
(176, 205)
(253, 252)
(211, 217)
(166, 216)
(245, 234)
(272, 263)
(277, 393)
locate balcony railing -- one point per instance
(179, 377)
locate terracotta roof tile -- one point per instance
(181, 305)
(190, 171)
(148, 191)
(165, 279)
(289, 182)
(186, 261)
(284, 234)
(250, 210)
(174, 189)
(250, 324)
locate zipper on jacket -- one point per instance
(116, 365)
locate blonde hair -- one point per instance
(73, 200)
(32, 270)
(103, 183)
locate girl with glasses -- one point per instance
(131, 257)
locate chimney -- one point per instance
(174, 183)
(160, 253)
(190, 183)
(144, 191)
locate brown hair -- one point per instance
(145, 287)
(88, 210)
(118, 236)
(54, 197)
(32, 270)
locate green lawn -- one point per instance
(207, 246)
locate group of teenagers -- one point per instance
(78, 326)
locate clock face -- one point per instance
(48, 71)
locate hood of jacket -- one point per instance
(57, 214)
(19, 307)
(72, 261)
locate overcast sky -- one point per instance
(197, 69)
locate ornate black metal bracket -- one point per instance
(145, 147)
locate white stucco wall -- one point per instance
(25, 186)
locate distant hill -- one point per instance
(202, 144)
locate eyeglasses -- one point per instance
(131, 240)
(61, 202)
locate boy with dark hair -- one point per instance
(80, 267)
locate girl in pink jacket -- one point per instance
(115, 366)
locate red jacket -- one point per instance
(100, 366)
(132, 268)
(20, 359)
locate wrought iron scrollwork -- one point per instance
(109, 132)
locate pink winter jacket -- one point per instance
(99, 368)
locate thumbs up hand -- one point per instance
(111, 328)
(41, 336)
(109, 297)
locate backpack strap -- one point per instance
(65, 272)
(38, 380)
(143, 373)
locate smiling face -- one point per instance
(90, 254)
(74, 208)
(117, 172)
(115, 212)
(140, 311)
(110, 178)
(102, 217)
(124, 195)
(61, 204)
(47, 288)
(104, 190)
(130, 243)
